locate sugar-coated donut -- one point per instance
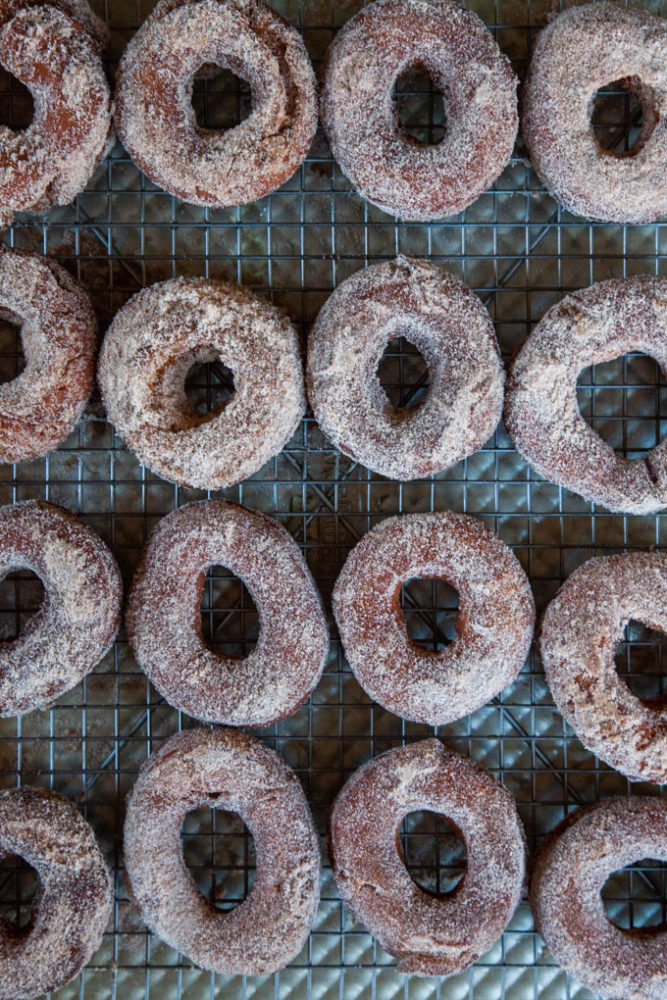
(386, 165)
(588, 327)
(156, 120)
(430, 935)
(571, 870)
(580, 51)
(58, 59)
(40, 407)
(164, 623)
(494, 627)
(151, 345)
(580, 633)
(79, 618)
(75, 900)
(454, 333)
(223, 769)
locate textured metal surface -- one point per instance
(521, 253)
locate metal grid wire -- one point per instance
(520, 253)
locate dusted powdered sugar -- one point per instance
(570, 873)
(72, 910)
(223, 769)
(147, 353)
(580, 633)
(389, 168)
(451, 328)
(430, 935)
(164, 622)
(77, 10)
(153, 104)
(494, 626)
(589, 327)
(583, 49)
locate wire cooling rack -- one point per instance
(520, 253)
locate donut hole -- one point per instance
(635, 898)
(229, 617)
(12, 356)
(19, 884)
(640, 662)
(403, 374)
(221, 100)
(17, 108)
(625, 402)
(430, 607)
(623, 116)
(22, 596)
(433, 852)
(219, 852)
(420, 107)
(209, 386)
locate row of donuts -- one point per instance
(54, 49)
(580, 631)
(157, 337)
(429, 935)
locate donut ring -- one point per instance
(580, 632)
(223, 769)
(430, 935)
(453, 331)
(75, 900)
(40, 407)
(570, 872)
(580, 51)
(59, 62)
(164, 624)
(151, 345)
(494, 626)
(385, 164)
(589, 327)
(156, 121)
(79, 618)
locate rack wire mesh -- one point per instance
(521, 253)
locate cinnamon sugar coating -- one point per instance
(494, 626)
(588, 327)
(77, 10)
(454, 333)
(75, 901)
(580, 51)
(430, 935)
(40, 407)
(164, 623)
(147, 353)
(570, 872)
(79, 617)
(58, 60)
(580, 632)
(223, 769)
(153, 105)
(386, 165)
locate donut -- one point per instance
(429, 935)
(570, 872)
(223, 769)
(454, 333)
(494, 627)
(40, 407)
(79, 618)
(580, 51)
(77, 10)
(156, 121)
(59, 61)
(588, 327)
(164, 623)
(75, 899)
(147, 353)
(580, 633)
(387, 166)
